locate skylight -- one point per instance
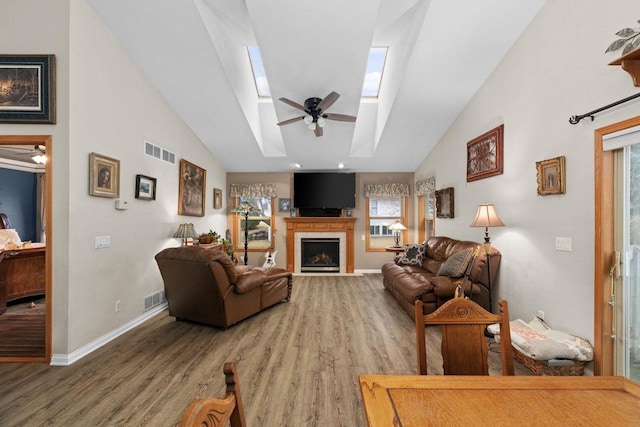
(259, 76)
(373, 76)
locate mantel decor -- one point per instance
(27, 88)
(444, 203)
(551, 176)
(104, 176)
(485, 155)
(193, 180)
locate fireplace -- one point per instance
(320, 255)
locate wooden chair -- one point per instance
(212, 412)
(464, 346)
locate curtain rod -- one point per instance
(576, 119)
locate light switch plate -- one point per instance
(103, 242)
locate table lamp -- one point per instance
(397, 227)
(185, 232)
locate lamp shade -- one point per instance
(486, 216)
(397, 226)
(185, 231)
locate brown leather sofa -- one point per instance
(203, 285)
(408, 283)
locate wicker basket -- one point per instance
(539, 367)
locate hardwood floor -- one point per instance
(298, 364)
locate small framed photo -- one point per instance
(292, 213)
(145, 187)
(217, 198)
(28, 88)
(193, 181)
(284, 205)
(104, 176)
(444, 203)
(485, 155)
(551, 176)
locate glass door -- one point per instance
(626, 275)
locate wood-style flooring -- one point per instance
(298, 364)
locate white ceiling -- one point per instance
(440, 53)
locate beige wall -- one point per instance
(109, 108)
(555, 70)
(284, 186)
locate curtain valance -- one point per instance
(252, 190)
(386, 190)
(426, 186)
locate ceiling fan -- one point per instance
(315, 109)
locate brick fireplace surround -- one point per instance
(319, 225)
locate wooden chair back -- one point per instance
(214, 412)
(464, 346)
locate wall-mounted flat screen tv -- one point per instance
(324, 190)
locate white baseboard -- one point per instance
(68, 359)
(368, 271)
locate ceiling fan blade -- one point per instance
(293, 104)
(318, 130)
(339, 117)
(286, 122)
(328, 101)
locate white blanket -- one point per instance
(539, 342)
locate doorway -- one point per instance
(616, 256)
(42, 142)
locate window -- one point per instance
(259, 74)
(258, 225)
(381, 213)
(373, 75)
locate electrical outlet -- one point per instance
(117, 306)
(540, 315)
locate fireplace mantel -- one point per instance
(319, 225)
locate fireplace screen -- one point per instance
(320, 255)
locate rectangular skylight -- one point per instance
(373, 76)
(259, 76)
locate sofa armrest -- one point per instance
(249, 280)
(443, 286)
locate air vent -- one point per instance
(159, 153)
(153, 300)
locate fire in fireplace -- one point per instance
(321, 255)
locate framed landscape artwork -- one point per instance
(485, 155)
(145, 187)
(444, 203)
(104, 176)
(551, 176)
(27, 89)
(193, 180)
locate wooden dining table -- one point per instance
(436, 400)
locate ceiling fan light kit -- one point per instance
(315, 112)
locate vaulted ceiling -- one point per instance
(439, 54)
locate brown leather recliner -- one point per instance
(203, 285)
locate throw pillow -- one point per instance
(456, 264)
(413, 255)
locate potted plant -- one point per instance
(207, 238)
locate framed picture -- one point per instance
(104, 176)
(28, 88)
(485, 155)
(145, 187)
(284, 205)
(551, 176)
(193, 181)
(444, 203)
(217, 198)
